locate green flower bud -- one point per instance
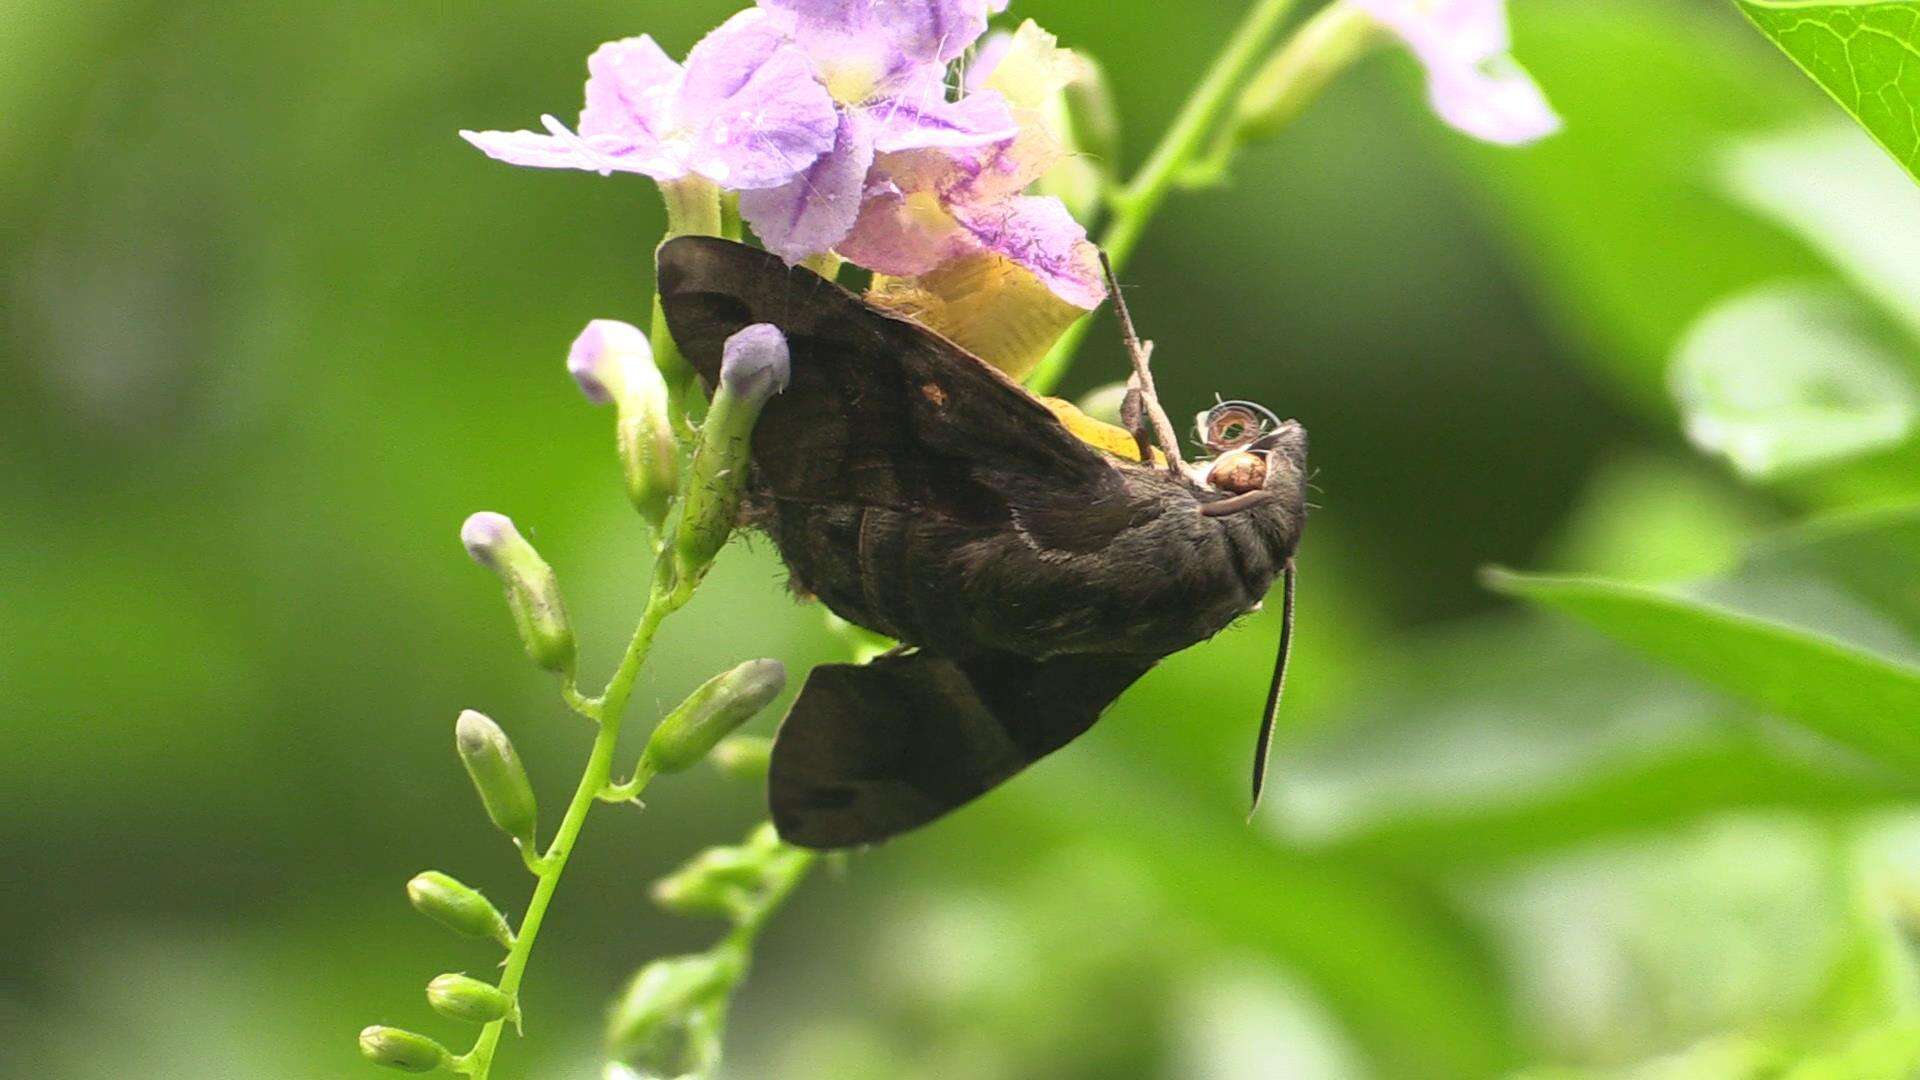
(743, 757)
(401, 1050)
(1103, 403)
(533, 593)
(460, 997)
(1300, 69)
(711, 713)
(458, 907)
(754, 366)
(613, 362)
(715, 882)
(655, 1028)
(1092, 115)
(497, 775)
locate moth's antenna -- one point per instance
(1274, 690)
(1143, 390)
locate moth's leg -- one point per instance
(1140, 385)
(1133, 418)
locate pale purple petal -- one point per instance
(928, 120)
(903, 234)
(1038, 233)
(923, 31)
(631, 87)
(565, 150)
(1472, 82)
(1496, 101)
(993, 49)
(753, 107)
(816, 210)
(1470, 30)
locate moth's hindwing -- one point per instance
(873, 750)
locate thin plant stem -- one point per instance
(1136, 204)
(610, 707)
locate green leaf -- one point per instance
(1611, 218)
(1874, 553)
(1784, 379)
(1856, 698)
(1866, 54)
(1833, 187)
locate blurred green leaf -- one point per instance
(1875, 553)
(1653, 518)
(1833, 186)
(1862, 53)
(1787, 378)
(1616, 219)
(1857, 698)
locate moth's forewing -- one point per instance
(879, 411)
(873, 750)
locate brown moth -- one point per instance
(920, 493)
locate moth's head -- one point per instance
(1252, 447)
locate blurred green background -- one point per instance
(269, 330)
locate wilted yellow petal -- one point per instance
(986, 304)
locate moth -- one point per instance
(1030, 577)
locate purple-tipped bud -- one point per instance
(754, 366)
(403, 1050)
(533, 592)
(486, 534)
(603, 355)
(613, 362)
(755, 362)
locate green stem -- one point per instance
(611, 706)
(1148, 189)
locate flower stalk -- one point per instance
(1136, 203)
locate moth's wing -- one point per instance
(872, 750)
(881, 411)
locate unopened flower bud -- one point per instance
(711, 713)
(613, 362)
(1103, 403)
(458, 907)
(652, 1027)
(714, 882)
(1092, 115)
(401, 1050)
(1327, 44)
(461, 997)
(754, 366)
(498, 776)
(533, 592)
(743, 757)
(601, 356)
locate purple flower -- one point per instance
(883, 62)
(1472, 79)
(746, 112)
(927, 208)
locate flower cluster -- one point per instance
(836, 124)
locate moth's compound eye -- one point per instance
(1239, 471)
(1231, 425)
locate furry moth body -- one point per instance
(920, 493)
